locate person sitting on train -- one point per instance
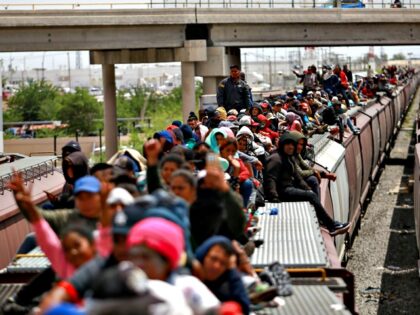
(311, 176)
(344, 121)
(159, 171)
(240, 174)
(102, 171)
(75, 165)
(283, 183)
(183, 184)
(86, 212)
(199, 129)
(156, 245)
(114, 237)
(217, 209)
(219, 273)
(330, 81)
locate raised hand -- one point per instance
(23, 197)
(107, 212)
(215, 179)
(152, 149)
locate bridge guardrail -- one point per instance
(234, 4)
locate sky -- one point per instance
(58, 59)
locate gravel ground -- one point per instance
(384, 256)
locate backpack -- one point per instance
(328, 116)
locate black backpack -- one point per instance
(328, 116)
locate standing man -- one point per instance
(232, 92)
(343, 85)
(349, 74)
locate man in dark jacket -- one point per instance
(284, 183)
(232, 92)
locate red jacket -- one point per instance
(266, 131)
(344, 81)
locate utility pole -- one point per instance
(42, 67)
(68, 69)
(78, 60)
(24, 70)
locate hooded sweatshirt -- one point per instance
(212, 141)
(80, 165)
(302, 168)
(265, 130)
(257, 106)
(281, 171)
(255, 148)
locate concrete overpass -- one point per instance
(205, 41)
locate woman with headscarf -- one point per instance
(216, 137)
(219, 273)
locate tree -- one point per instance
(80, 110)
(27, 103)
(399, 56)
(134, 102)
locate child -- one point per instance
(76, 245)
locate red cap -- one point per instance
(230, 308)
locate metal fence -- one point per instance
(179, 4)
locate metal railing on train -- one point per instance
(179, 4)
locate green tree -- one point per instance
(28, 102)
(79, 110)
(134, 102)
(399, 56)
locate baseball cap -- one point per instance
(64, 309)
(87, 184)
(119, 195)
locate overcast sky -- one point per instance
(58, 59)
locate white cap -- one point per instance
(245, 121)
(120, 195)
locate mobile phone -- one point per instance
(212, 160)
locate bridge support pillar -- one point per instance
(216, 67)
(110, 110)
(188, 88)
(210, 84)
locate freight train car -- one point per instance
(356, 160)
(416, 190)
(41, 174)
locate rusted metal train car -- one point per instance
(40, 172)
(358, 159)
(416, 190)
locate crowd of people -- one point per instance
(170, 230)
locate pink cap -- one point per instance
(160, 235)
